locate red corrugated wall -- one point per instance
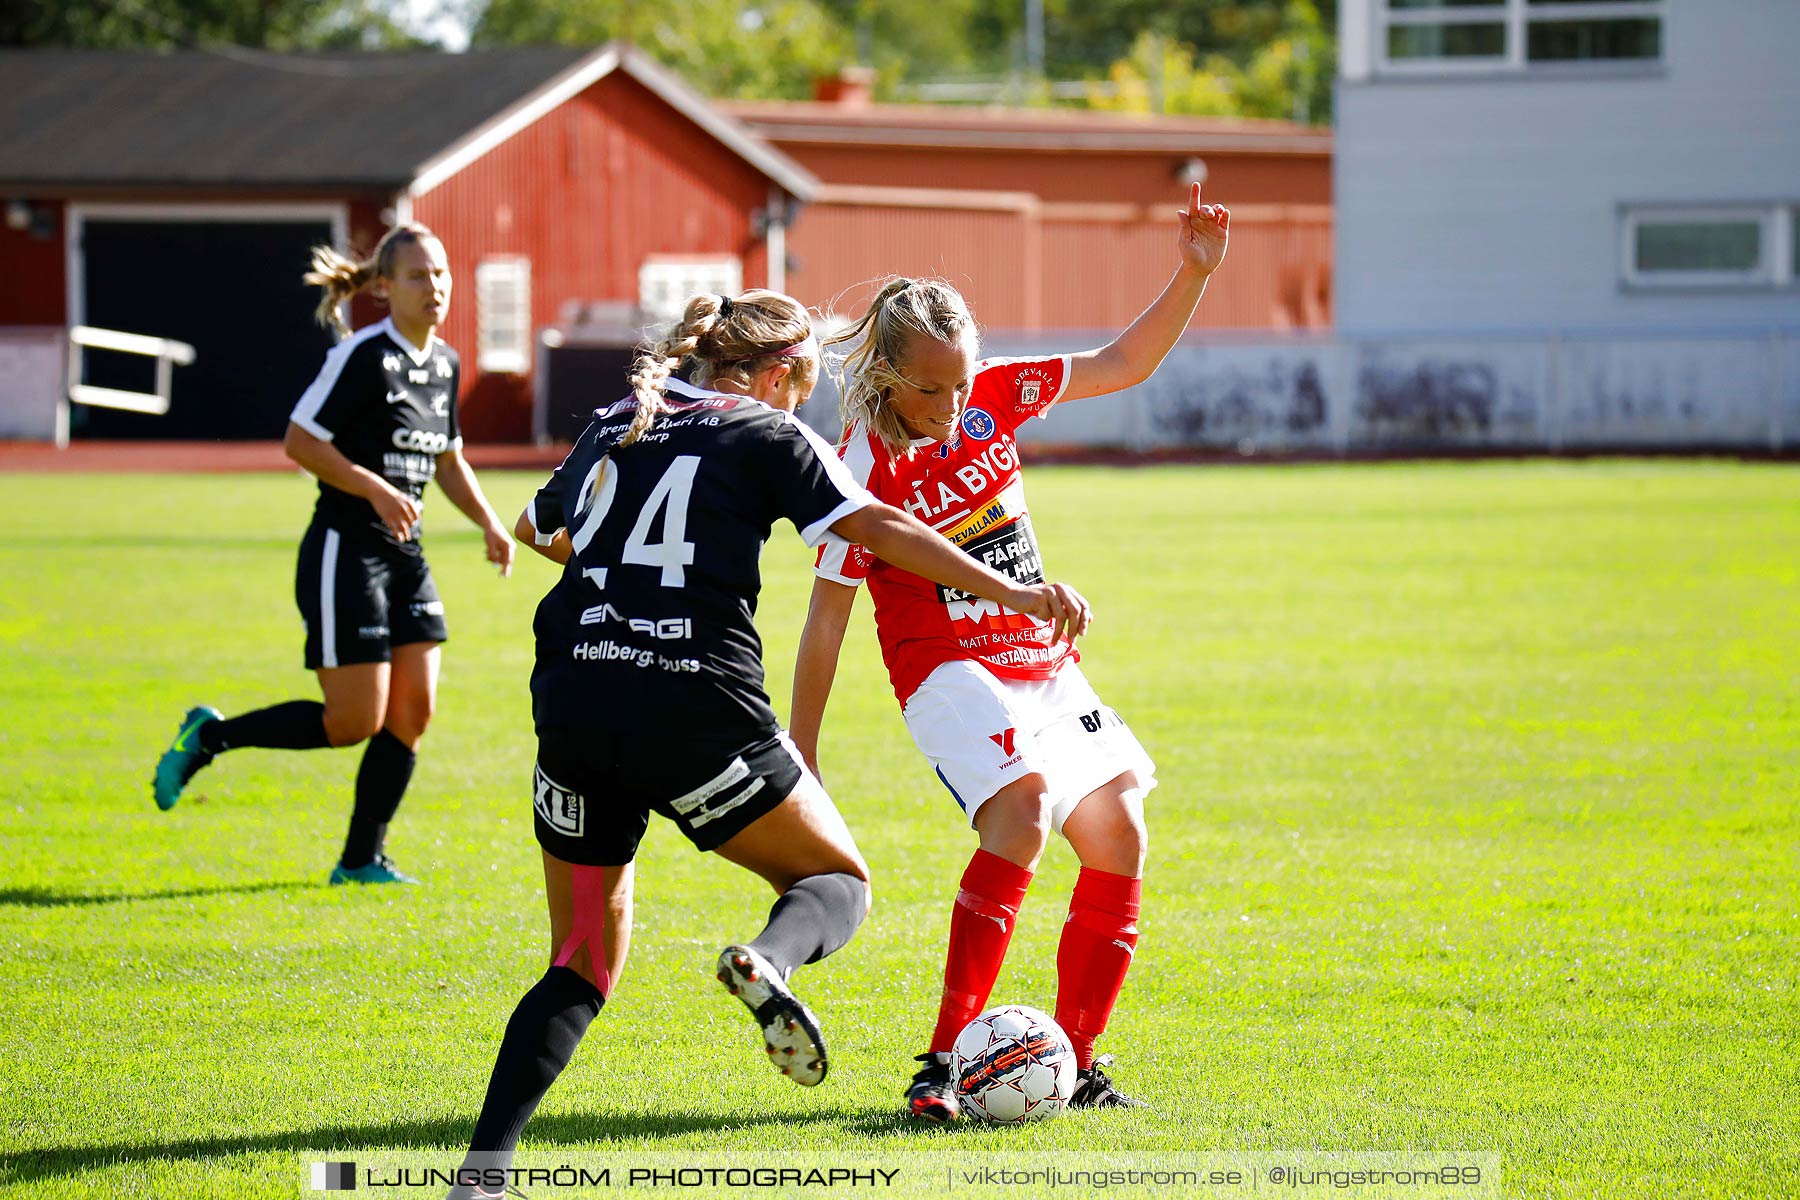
(34, 268)
(1100, 274)
(1128, 176)
(839, 251)
(1065, 266)
(586, 193)
(1087, 243)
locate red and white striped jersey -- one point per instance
(969, 490)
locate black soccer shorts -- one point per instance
(359, 603)
(592, 796)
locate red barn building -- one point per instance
(177, 194)
(1052, 218)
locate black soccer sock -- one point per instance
(812, 919)
(296, 725)
(387, 767)
(540, 1039)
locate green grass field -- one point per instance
(1476, 832)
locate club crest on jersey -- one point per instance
(561, 809)
(1032, 382)
(978, 424)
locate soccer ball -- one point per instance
(1013, 1064)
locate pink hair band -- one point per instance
(797, 350)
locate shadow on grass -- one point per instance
(43, 897)
(895, 1121)
(28, 1166)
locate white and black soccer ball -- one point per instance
(1013, 1064)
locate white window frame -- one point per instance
(1517, 16)
(337, 215)
(503, 315)
(1775, 265)
(666, 281)
(77, 216)
(1789, 227)
(1503, 13)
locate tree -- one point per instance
(911, 39)
(166, 24)
(1286, 75)
(724, 47)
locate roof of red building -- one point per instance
(240, 118)
(960, 126)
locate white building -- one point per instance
(1567, 166)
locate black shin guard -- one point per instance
(387, 767)
(296, 725)
(812, 919)
(540, 1039)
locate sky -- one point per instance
(428, 18)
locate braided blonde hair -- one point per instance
(868, 373)
(340, 278)
(729, 338)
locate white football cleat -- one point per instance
(790, 1032)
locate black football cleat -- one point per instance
(1093, 1089)
(932, 1096)
(790, 1032)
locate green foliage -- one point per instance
(723, 47)
(1287, 75)
(1475, 830)
(1161, 76)
(1081, 33)
(280, 25)
(1257, 58)
(915, 41)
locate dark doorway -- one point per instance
(232, 290)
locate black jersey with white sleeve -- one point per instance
(649, 631)
(389, 407)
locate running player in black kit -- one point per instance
(375, 427)
(648, 690)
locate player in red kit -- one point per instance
(999, 708)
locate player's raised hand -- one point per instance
(397, 511)
(1061, 605)
(1202, 234)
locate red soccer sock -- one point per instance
(981, 925)
(1095, 952)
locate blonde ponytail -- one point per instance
(729, 338)
(881, 342)
(339, 278)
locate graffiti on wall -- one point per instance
(1242, 396)
(1308, 394)
(1453, 395)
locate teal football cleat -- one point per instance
(381, 870)
(184, 757)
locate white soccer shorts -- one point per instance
(981, 732)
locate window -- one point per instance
(1746, 245)
(1437, 35)
(666, 281)
(503, 315)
